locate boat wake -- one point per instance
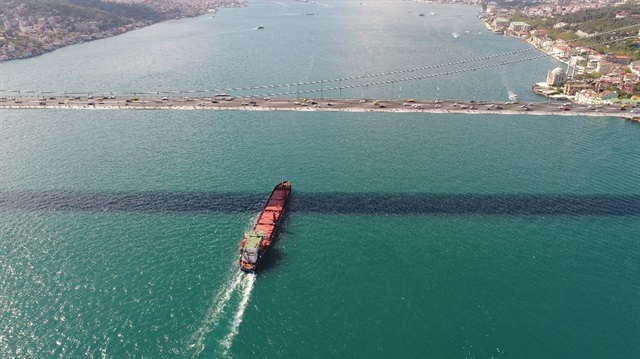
(247, 287)
(220, 323)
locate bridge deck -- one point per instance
(427, 106)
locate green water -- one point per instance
(408, 235)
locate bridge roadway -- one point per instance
(355, 105)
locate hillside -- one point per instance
(108, 14)
(593, 22)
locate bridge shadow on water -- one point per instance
(329, 203)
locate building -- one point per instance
(500, 23)
(519, 26)
(556, 77)
(620, 60)
(572, 89)
(605, 67)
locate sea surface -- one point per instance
(408, 234)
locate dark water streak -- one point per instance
(342, 203)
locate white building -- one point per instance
(556, 77)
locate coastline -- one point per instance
(81, 38)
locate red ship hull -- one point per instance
(257, 242)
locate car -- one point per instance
(406, 104)
(329, 104)
(297, 103)
(362, 101)
(383, 106)
(411, 100)
(566, 108)
(417, 106)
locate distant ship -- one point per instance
(258, 241)
(456, 35)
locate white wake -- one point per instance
(237, 289)
(247, 286)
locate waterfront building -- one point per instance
(587, 96)
(500, 23)
(571, 89)
(595, 98)
(563, 52)
(519, 26)
(556, 77)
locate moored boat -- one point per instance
(259, 240)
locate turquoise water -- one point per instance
(409, 235)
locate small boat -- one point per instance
(432, 13)
(259, 240)
(260, 27)
(420, 14)
(456, 35)
(513, 97)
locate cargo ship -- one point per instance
(259, 240)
